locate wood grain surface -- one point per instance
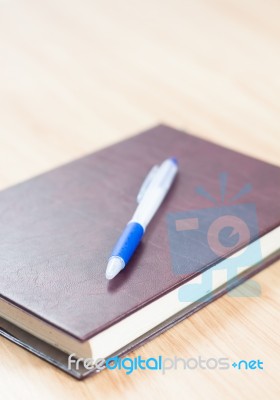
(76, 76)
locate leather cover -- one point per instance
(60, 360)
(58, 229)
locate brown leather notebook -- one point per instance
(58, 229)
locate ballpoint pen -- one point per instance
(152, 192)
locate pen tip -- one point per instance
(174, 160)
(115, 265)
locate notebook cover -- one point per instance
(59, 359)
(57, 229)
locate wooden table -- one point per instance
(76, 76)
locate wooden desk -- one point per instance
(78, 75)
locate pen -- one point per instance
(152, 192)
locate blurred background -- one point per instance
(76, 76)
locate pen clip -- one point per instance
(146, 183)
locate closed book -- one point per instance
(217, 227)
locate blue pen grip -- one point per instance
(128, 241)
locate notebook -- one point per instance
(217, 227)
